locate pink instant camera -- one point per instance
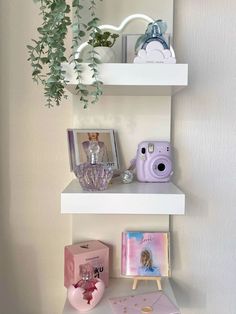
(153, 162)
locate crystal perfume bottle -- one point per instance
(94, 175)
(154, 32)
(87, 292)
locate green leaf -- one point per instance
(79, 60)
(44, 60)
(94, 93)
(76, 3)
(114, 36)
(96, 60)
(75, 27)
(36, 72)
(82, 33)
(41, 30)
(37, 66)
(30, 47)
(84, 92)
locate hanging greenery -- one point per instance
(48, 52)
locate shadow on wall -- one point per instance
(18, 264)
(23, 276)
(189, 296)
(190, 289)
(187, 292)
(5, 234)
(198, 203)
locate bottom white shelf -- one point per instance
(119, 287)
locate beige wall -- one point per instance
(204, 134)
(34, 165)
(33, 171)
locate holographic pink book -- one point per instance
(145, 254)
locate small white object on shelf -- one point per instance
(119, 198)
(155, 53)
(123, 287)
(105, 54)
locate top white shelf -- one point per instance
(150, 79)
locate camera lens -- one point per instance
(143, 150)
(161, 167)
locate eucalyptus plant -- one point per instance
(79, 32)
(94, 61)
(48, 53)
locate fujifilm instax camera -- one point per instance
(153, 162)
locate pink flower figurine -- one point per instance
(88, 291)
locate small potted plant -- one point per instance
(102, 43)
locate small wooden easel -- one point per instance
(136, 279)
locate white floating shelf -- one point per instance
(150, 79)
(123, 287)
(119, 198)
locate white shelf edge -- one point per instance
(133, 198)
(123, 287)
(134, 79)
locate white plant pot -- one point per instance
(105, 54)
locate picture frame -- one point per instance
(78, 141)
(145, 254)
(128, 46)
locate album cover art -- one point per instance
(145, 254)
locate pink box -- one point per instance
(94, 252)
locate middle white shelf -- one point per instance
(119, 198)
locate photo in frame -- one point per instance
(145, 254)
(78, 143)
